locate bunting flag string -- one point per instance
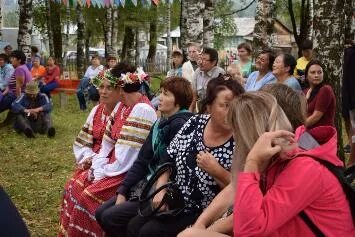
(109, 3)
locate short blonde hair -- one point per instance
(235, 71)
(252, 114)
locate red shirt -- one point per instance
(52, 74)
(324, 102)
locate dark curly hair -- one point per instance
(19, 55)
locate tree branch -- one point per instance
(239, 10)
(293, 21)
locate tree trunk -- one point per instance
(310, 17)
(56, 30)
(136, 59)
(183, 27)
(0, 23)
(329, 20)
(349, 33)
(264, 21)
(208, 19)
(49, 28)
(168, 38)
(191, 21)
(304, 23)
(67, 24)
(128, 44)
(88, 34)
(114, 29)
(153, 36)
(108, 32)
(80, 41)
(25, 27)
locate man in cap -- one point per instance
(33, 112)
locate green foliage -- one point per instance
(224, 25)
(283, 14)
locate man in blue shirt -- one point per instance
(33, 112)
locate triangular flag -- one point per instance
(88, 3)
(123, 2)
(134, 2)
(156, 2)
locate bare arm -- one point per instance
(209, 163)
(19, 84)
(314, 118)
(217, 207)
(193, 104)
(224, 226)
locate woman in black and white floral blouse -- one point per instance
(202, 151)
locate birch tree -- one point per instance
(264, 21)
(329, 36)
(56, 27)
(192, 21)
(108, 32)
(0, 21)
(114, 29)
(49, 27)
(80, 41)
(25, 27)
(208, 20)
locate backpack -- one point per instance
(343, 177)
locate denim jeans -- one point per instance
(6, 102)
(46, 89)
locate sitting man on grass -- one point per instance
(32, 111)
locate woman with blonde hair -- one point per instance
(235, 71)
(281, 188)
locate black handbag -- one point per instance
(173, 197)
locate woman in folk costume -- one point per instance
(126, 131)
(88, 142)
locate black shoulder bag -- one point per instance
(173, 197)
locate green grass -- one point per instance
(33, 171)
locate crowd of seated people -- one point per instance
(250, 162)
(231, 163)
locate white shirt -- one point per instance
(92, 72)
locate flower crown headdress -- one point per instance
(128, 78)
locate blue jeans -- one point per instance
(6, 102)
(86, 91)
(46, 89)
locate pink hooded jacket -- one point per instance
(299, 184)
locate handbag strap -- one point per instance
(311, 225)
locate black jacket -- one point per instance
(140, 170)
(348, 89)
(11, 223)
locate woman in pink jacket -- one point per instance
(276, 179)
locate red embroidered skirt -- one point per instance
(82, 199)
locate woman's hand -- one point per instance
(199, 225)
(207, 162)
(120, 199)
(86, 164)
(158, 199)
(268, 145)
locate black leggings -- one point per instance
(123, 220)
(162, 227)
(113, 219)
